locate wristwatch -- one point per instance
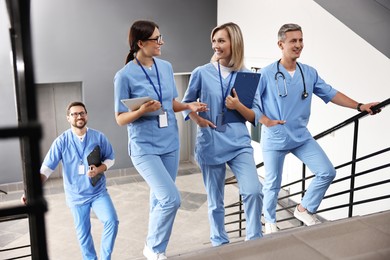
(358, 107)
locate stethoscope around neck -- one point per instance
(279, 73)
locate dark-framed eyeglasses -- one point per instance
(77, 114)
(158, 39)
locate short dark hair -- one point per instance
(75, 104)
(287, 28)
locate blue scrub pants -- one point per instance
(159, 172)
(312, 155)
(104, 210)
(244, 168)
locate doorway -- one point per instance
(52, 99)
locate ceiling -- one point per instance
(370, 19)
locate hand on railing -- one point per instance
(369, 108)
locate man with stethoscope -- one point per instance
(286, 91)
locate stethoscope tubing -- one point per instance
(279, 73)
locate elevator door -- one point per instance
(52, 100)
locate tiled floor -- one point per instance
(365, 237)
(130, 195)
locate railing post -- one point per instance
(353, 167)
(303, 180)
(240, 210)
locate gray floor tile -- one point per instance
(130, 195)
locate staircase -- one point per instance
(360, 237)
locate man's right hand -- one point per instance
(269, 122)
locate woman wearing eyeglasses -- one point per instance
(219, 144)
(152, 129)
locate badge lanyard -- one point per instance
(162, 119)
(81, 155)
(221, 126)
(159, 95)
(224, 96)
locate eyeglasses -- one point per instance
(158, 39)
(77, 114)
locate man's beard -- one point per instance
(78, 125)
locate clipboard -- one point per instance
(135, 103)
(245, 85)
(94, 159)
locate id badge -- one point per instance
(163, 120)
(81, 169)
(221, 126)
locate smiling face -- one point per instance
(152, 46)
(222, 46)
(292, 45)
(77, 117)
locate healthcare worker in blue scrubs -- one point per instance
(286, 91)
(72, 148)
(153, 140)
(218, 145)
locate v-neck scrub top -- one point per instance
(144, 134)
(213, 147)
(68, 148)
(292, 108)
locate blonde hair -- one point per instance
(236, 44)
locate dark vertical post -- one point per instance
(353, 167)
(20, 34)
(303, 180)
(240, 214)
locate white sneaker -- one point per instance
(307, 218)
(270, 228)
(150, 255)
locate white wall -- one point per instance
(342, 58)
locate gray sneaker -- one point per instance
(307, 218)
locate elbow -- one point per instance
(120, 123)
(119, 120)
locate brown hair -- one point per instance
(140, 31)
(75, 104)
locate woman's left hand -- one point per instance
(232, 102)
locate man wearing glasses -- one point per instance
(85, 154)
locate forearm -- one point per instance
(178, 107)
(247, 113)
(125, 118)
(194, 117)
(342, 100)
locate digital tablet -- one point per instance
(135, 103)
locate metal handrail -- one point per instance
(353, 120)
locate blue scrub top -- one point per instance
(144, 134)
(292, 108)
(213, 147)
(68, 148)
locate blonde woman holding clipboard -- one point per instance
(222, 140)
(152, 128)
